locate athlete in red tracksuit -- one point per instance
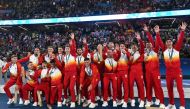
(55, 81)
(89, 78)
(70, 71)
(35, 58)
(173, 66)
(122, 75)
(80, 61)
(44, 84)
(31, 82)
(60, 55)
(98, 60)
(136, 72)
(47, 57)
(110, 74)
(152, 67)
(15, 70)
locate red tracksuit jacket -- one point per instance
(136, 65)
(32, 58)
(173, 64)
(95, 76)
(14, 75)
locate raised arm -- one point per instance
(181, 37)
(156, 47)
(73, 45)
(141, 43)
(158, 38)
(25, 59)
(149, 36)
(85, 53)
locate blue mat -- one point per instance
(3, 105)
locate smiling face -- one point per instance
(122, 47)
(36, 51)
(134, 47)
(169, 44)
(109, 53)
(87, 63)
(111, 45)
(14, 59)
(50, 50)
(30, 66)
(67, 50)
(79, 51)
(149, 46)
(60, 50)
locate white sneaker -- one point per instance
(26, 102)
(59, 104)
(49, 106)
(85, 104)
(132, 103)
(64, 101)
(173, 107)
(10, 101)
(83, 99)
(92, 105)
(170, 106)
(97, 98)
(114, 104)
(148, 104)
(181, 107)
(162, 106)
(120, 102)
(20, 101)
(35, 104)
(105, 104)
(139, 100)
(102, 99)
(124, 105)
(141, 104)
(72, 105)
(157, 102)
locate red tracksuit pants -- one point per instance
(122, 78)
(136, 76)
(10, 83)
(170, 78)
(25, 89)
(153, 82)
(45, 88)
(91, 94)
(69, 81)
(106, 81)
(55, 93)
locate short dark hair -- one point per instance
(52, 61)
(86, 59)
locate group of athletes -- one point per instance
(109, 72)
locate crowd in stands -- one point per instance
(24, 9)
(22, 43)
